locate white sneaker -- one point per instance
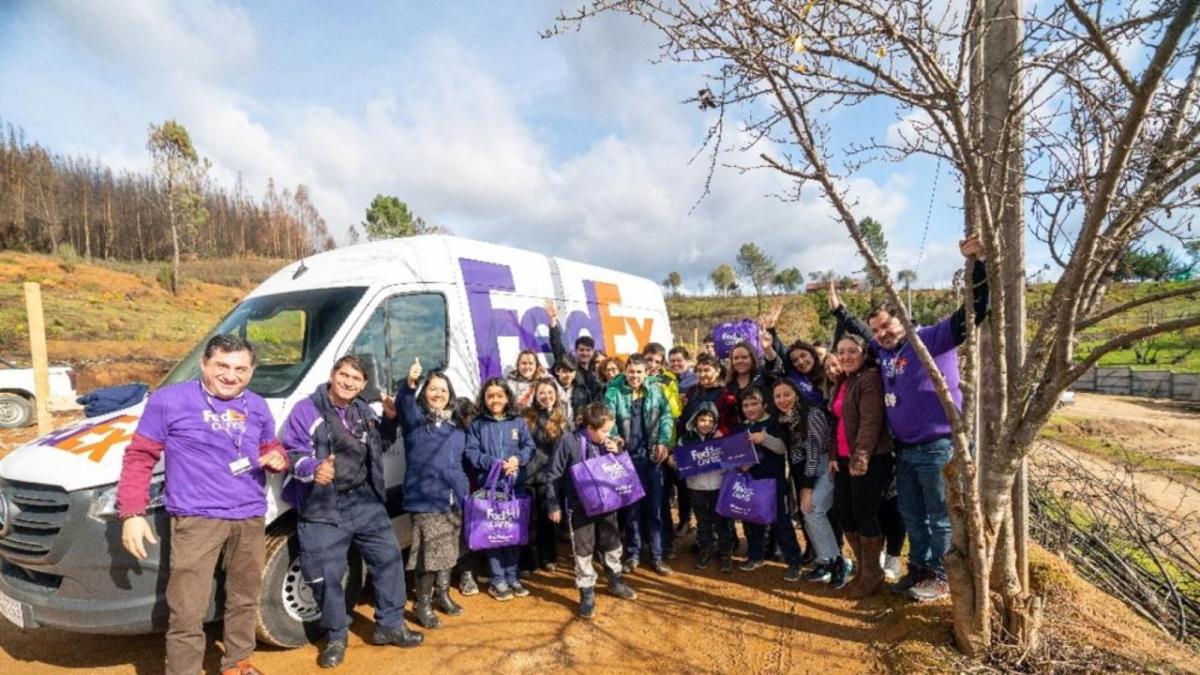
(891, 568)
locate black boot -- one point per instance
(587, 602)
(400, 637)
(618, 587)
(424, 607)
(332, 654)
(441, 595)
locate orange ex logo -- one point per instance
(95, 440)
(612, 326)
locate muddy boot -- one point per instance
(870, 574)
(441, 595)
(423, 610)
(587, 602)
(618, 587)
(855, 543)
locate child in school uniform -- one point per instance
(767, 437)
(714, 532)
(501, 435)
(589, 534)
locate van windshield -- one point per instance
(289, 331)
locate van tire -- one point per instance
(16, 411)
(285, 599)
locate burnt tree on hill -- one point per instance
(1082, 114)
(48, 200)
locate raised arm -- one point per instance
(556, 342)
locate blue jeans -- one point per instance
(817, 524)
(643, 518)
(502, 564)
(782, 528)
(921, 494)
(363, 521)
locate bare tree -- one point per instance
(1083, 114)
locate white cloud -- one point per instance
(452, 139)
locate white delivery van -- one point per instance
(464, 305)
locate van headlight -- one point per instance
(104, 506)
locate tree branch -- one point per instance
(1090, 321)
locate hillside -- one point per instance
(119, 313)
(806, 316)
(122, 312)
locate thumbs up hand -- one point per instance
(414, 372)
(324, 473)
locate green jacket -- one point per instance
(657, 423)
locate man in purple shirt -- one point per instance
(217, 440)
(918, 423)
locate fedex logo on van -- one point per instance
(491, 323)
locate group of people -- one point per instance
(853, 436)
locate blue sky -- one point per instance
(576, 146)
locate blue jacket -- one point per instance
(490, 440)
(434, 481)
(308, 438)
(771, 452)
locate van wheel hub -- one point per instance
(298, 600)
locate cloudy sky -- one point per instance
(576, 146)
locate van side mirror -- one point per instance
(375, 377)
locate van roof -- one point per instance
(388, 261)
(429, 258)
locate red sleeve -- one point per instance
(728, 413)
(137, 466)
(274, 445)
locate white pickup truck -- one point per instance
(17, 393)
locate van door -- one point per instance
(403, 327)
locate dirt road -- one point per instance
(695, 622)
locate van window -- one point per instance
(403, 328)
(288, 330)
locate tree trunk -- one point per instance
(87, 226)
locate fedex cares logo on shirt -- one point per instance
(230, 420)
(96, 439)
(492, 323)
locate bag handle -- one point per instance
(497, 484)
(489, 485)
(584, 446)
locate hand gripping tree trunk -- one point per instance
(1097, 150)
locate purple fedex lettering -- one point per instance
(490, 323)
(481, 278)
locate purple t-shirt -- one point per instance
(201, 436)
(914, 412)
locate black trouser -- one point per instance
(543, 538)
(362, 521)
(856, 498)
(892, 524)
(712, 529)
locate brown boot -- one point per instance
(855, 543)
(870, 572)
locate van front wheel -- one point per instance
(288, 614)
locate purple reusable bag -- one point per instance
(605, 482)
(746, 499)
(726, 336)
(497, 519)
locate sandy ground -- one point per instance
(1164, 428)
(695, 622)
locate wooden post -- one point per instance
(37, 351)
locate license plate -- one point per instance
(12, 610)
